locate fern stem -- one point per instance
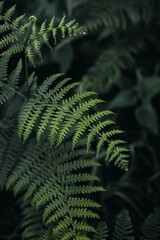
(26, 73)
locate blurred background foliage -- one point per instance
(119, 58)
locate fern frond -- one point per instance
(151, 226)
(56, 184)
(16, 37)
(123, 226)
(60, 196)
(101, 231)
(70, 116)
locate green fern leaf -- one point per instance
(123, 227)
(151, 226)
(63, 117)
(101, 231)
(60, 197)
(9, 13)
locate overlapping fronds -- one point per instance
(151, 226)
(58, 188)
(18, 36)
(60, 115)
(123, 226)
(56, 184)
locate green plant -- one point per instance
(53, 178)
(53, 138)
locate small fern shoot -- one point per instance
(123, 227)
(151, 226)
(101, 231)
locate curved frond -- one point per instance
(60, 117)
(16, 37)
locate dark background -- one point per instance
(119, 58)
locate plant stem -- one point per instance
(26, 74)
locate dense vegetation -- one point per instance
(67, 171)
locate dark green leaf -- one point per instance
(147, 117)
(125, 98)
